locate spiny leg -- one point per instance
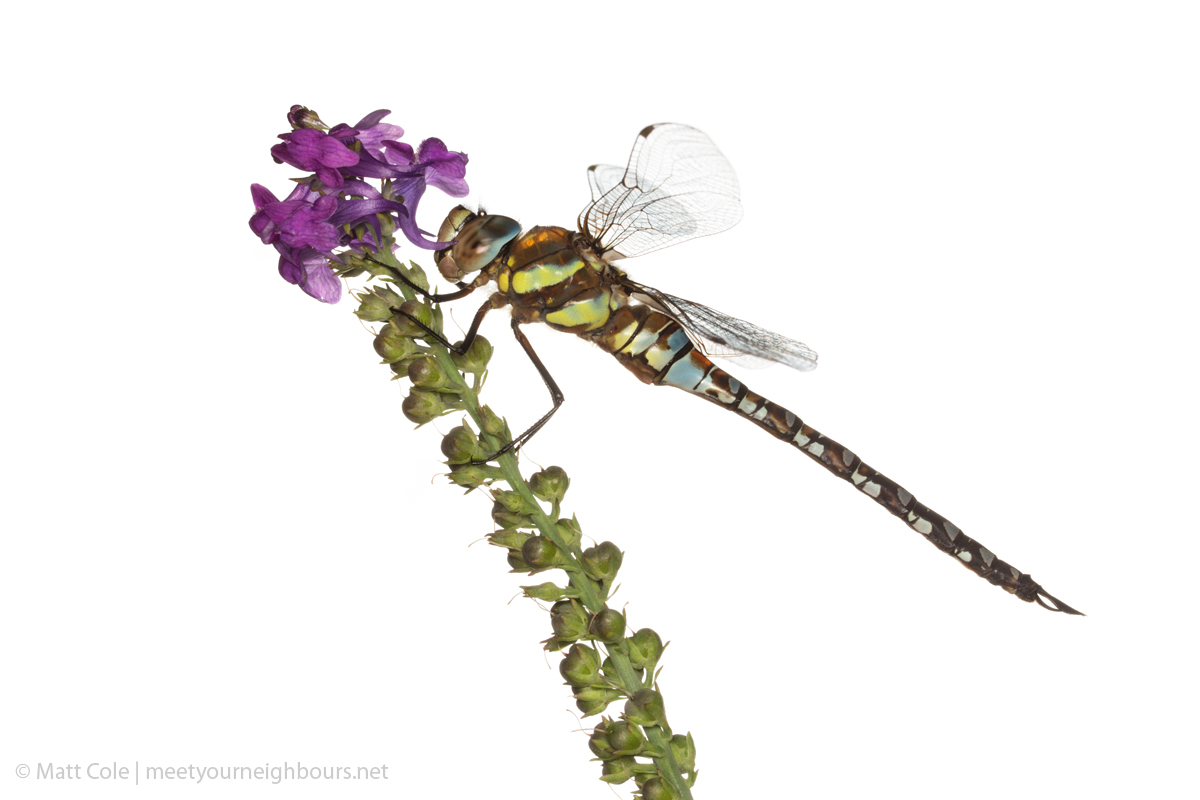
(556, 397)
(493, 302)
(464, 288)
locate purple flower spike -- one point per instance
(336, 207)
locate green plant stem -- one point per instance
(589, 594)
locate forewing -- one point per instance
(720, 335)
(677, 187)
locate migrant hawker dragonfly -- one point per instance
(677, 186)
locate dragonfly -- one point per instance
(677, 186)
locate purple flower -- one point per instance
(299, 229)
(432, 164)
(299, 221)
(444, 169)
(372, 133)
(315, 151)
(310, 270)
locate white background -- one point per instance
(223, 544)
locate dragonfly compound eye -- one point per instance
(480, 241)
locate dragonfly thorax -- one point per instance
(551, 275)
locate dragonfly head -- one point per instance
(479, 238)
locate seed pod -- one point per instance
(657, 789)
(608, 626)
(427, 373)
(376, 304)
(491, 424)
(476, 359)
(684, 751)
(645, 707)
(393, 346)
(626, 738)
(645, 648)
(550, 484)
(421, 407)
(581, 666)
(602, 562)
(569, 620)
(618, 770)
(461, 446)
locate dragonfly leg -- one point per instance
(495, 301)
(556, 397)
(464, 288)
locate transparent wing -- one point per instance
(677, 187)
(602, 177)
(723, 336)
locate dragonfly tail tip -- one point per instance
(1055, 604)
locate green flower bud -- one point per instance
(602, 562)
(476, 359)
(517, 564)
(392, 346)
(618, 770)
(376, 304)
(625, 738)
(645, 707)
(541, 553)
(592, 700)
(657, 789)
(512, 539)
(581, 666)
(472, 476)
(512, 501)
(415, 309)
(569, 531)
(460, 445)
(645, 648)
(550, 592)
(598, 741)
(608, 626)
(508, 519)
(683, 749)
(426, 373)
(491, 424)
(550, 484)
(401, 367)
(421, 407)
(407, 310)
(569, 620)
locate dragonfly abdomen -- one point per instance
(655, 348)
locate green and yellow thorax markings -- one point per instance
(549, 276)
